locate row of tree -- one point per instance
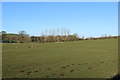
(58, 38)
(57, 35)
(14, 38)
(46, 36)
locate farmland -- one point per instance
(75, 59)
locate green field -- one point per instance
(78, 59)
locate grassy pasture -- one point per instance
(78, 59)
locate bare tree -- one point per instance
(46, 32)
(68, 32)
(22, 36)
(58, 31)
(50, 32)
(62, 32)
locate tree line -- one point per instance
(58, 35)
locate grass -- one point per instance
(78, 59)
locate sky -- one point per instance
(89, 19)
(60, 0)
